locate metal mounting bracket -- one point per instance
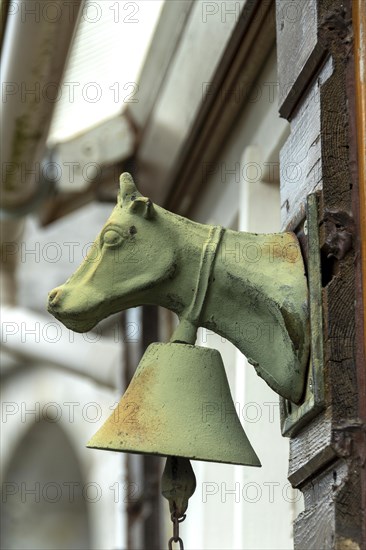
(294, 417)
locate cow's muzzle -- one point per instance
(54, 298)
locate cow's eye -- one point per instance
(112, 238)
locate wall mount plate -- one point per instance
(295, 417)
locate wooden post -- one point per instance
(316, 89)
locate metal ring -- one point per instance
(174, 518)
(172, 539)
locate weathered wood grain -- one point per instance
(314, 528)
(311, 450)
(298, 52)
(300, 158)
(331, 518)
(327, 458)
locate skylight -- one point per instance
(102, 73)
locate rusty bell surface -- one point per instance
(178, 404)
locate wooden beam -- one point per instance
(360, 68)
(300, 54)
(327, 456)
(359, 17)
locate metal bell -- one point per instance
(178, 404)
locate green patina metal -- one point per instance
(178, 404)
(249, 288)
(178, 484)
(294, 417)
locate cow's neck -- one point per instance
(185, 291)
(241, 298)
(191, 318)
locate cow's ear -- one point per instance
(127, 187)
(143, 206)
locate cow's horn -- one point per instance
(127, 185)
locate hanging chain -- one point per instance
(176, 538)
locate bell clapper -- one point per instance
(178, 485)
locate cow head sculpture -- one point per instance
(132, 253)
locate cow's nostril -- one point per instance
(53, 296)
